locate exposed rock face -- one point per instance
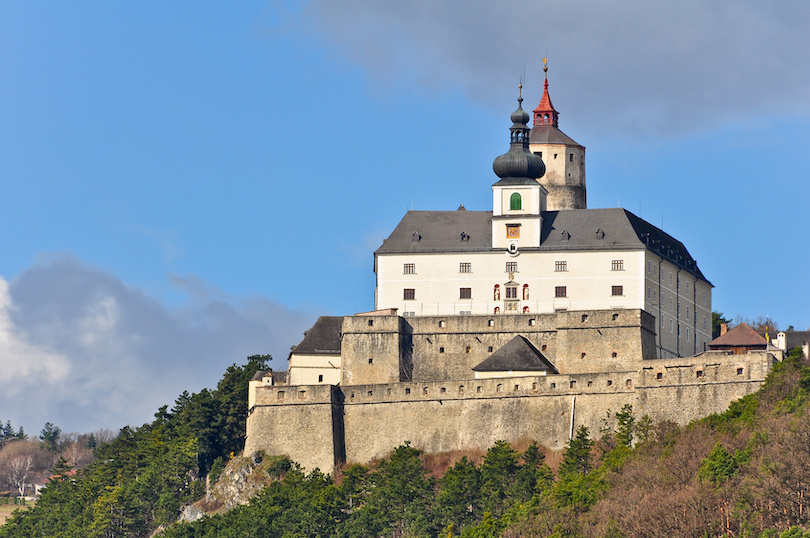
(240, 481)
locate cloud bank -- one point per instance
(80, 348)
(629, 67)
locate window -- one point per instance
(511, 292)
(570, 157)
(560, 267)
(617, 290)
(687, 286)
(441, 350)
(699, 373)
(687, 313)
(465, 267)
(670, 304)
(511, 267)
(662, 322)
(670, 279)
(659, 375)
(465, 293)
(515, 201)
(320, 379)
(687, 334)
(655, 295)
(704, 297)
(408, 294)
(468, 349)
(648, 293)
(704, 323)
(617, 265)
(371, 361)
(671, 326)
(409, 268)
(649, 266)
(739, 371)
(560, 291)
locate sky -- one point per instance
(186, 184)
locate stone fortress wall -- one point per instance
(405, 394)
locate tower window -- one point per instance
(511, 292)
(515, 201)
(560, 291)
(570, 157)
(409, 294)
(560, 266)
(465, 293)
(617, 290)
(465, 267)
(617, 265)
(511, 267)
(409, 268)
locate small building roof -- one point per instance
(740, 336)
(323, 337)
(795, 338)
(517, 355)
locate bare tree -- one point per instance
(23, 462)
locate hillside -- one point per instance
(744, 472)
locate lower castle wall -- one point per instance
(359, 423)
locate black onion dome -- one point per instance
(519, 117)
(519, 162)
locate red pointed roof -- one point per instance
(545, 114)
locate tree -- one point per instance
(717, 320)
(50, 436)
(577, 458)
(625, 426)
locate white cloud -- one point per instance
(629, 66)
(81, 349)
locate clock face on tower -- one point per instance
(512, 231)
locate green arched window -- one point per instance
(515, 201)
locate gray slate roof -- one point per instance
(795, 338)
(548, 134)
(566, 230)
(323, 337)
(440, 231)
(517, 355)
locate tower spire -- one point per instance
(545, 114)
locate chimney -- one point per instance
(723, 328)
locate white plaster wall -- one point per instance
(304, 369)
(589, 280)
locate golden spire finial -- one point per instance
(545, 66)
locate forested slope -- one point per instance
(745, 472)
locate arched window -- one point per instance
(497, 310)
(526, 292)
(515, 201)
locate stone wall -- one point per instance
(362, 422)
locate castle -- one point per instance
(523, 322)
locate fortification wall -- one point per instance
(473, 414)
(387, 349)
(363, 422)
(304, 422)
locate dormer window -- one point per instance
(415, 237)
(515, 201)
(465, 237)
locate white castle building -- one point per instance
(540, 250)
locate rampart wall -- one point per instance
(318, 425)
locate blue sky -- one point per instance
(184, 184)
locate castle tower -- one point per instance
(518, 200)
(563, 157)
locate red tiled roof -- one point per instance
(739, 336)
